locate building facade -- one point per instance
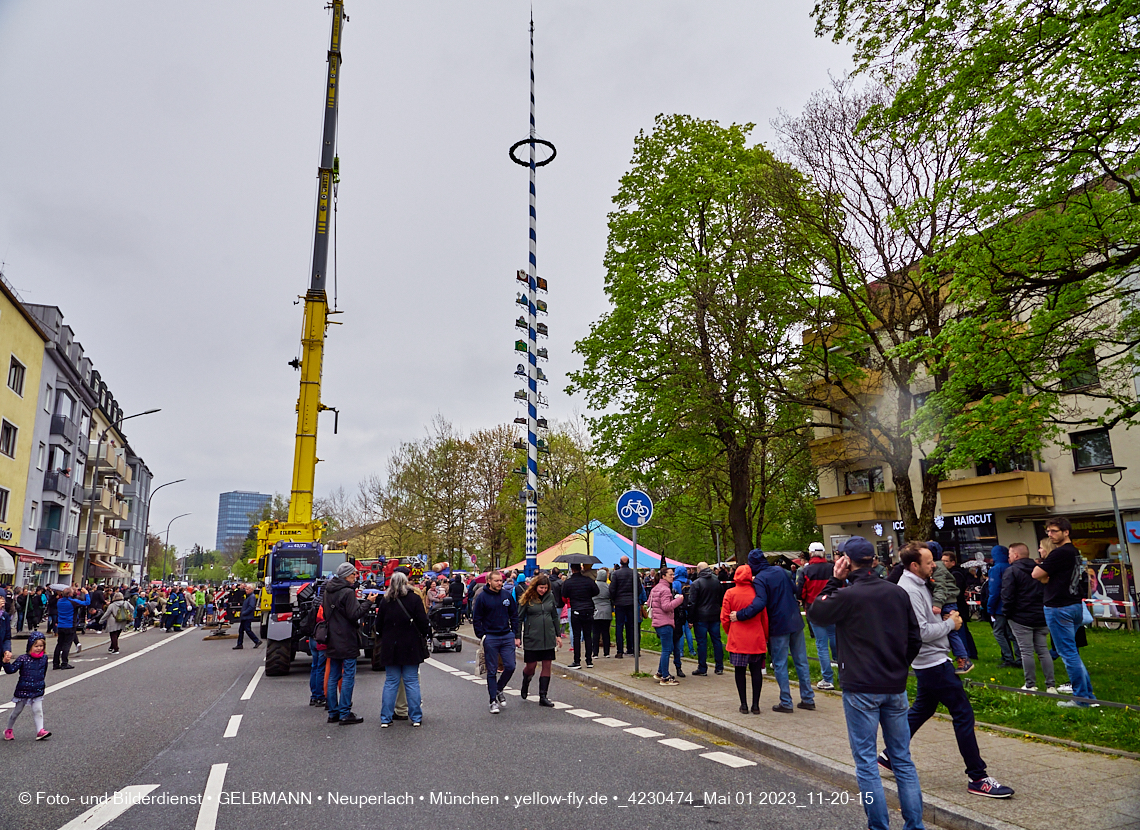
(137, 497)
(233, 515)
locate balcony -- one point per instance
(48, 539)
(100, 542)
(869, 384)
(859, 507)
(987, 493)
(58, 483)
(62, 425)
(72, 545)
(846, 447)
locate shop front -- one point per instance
(970, 535)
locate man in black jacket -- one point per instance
(878, 638)
(342, 615)
(248, 615)
(579, 590)
(622, 582)
(704, 594)
(1023, 606)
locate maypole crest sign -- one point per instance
(634, 508)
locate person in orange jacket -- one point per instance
(747, 639)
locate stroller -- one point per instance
(444, 620)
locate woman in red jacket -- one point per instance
(747, 640)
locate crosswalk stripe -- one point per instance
(680, 743)
(611, 722)
(583, 713)
(728, 760)
(642, 732)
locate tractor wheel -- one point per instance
(277, 658)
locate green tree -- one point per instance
(700, 271)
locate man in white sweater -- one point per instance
(937, 682)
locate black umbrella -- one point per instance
(578, 559)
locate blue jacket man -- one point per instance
(776, 593)
(65, 627)
(1010, 654)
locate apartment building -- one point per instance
(22, 351)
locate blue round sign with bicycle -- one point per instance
(634, 508)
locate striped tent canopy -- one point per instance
(605, 543)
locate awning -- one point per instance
(25, 556)
(7, 563)
(105, 569)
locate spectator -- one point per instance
(401, 628)
(938, 683)
(999, 620)
(747, 639)
(248, 615)
(878, 638)
(946, 600)
(579, 590)
(117, 617)
(342, 615)
(603, 615)
(776, 592)
(32, 666)
(964, 580)
(810, 580)
(1061, 572)
(66, 609)
(541, 635)
(662, 603)
(1023, 602)
(495, 618)
(681, 621)
(706, 601)
(626, 616)
(21, 604)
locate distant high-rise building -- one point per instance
(233, 514)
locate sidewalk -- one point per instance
(1098, 792)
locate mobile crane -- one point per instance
(290, 553)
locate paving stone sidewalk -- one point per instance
(1056, 786)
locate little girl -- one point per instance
(32, 667)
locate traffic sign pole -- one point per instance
(637, 609)
(634, 509)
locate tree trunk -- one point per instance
(739, 482)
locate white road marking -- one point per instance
(431, 661)
(208, 812)
(515, 692)
(611, 722)
(642, 732)
(55, 687)
(728, 760)
(583, 713)
(232, 726)
(103, 814)
(248, 693)
(560, 705)
(680, 743)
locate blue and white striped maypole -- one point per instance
(532, 372)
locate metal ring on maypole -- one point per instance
(536, 141)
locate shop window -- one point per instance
(864, 481)
(1079, 371)
(16, 374)
(1092, 450)
(8, 433)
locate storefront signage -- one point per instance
(65, 568)
(5, 534)
(29, 559)
(963, 520)
(1132, 532)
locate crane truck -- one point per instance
(290, 553)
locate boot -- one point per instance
(525, 685)
(543, 688)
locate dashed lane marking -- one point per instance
(103, 814)
(642, 732)
(728, 760)
(611, 722)
(681, 744)
(248, 693)
(232, 727)
(583, 713)
(515, 692)
(560, 705)
(208, 812)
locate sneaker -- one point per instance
(350, 719)
(495, 707)
(718, 671)
(620, 656)
(701, 673)
(8, 735)
(43, 733)
(1065, 689)
(669, 681)
(884, 761)
(823, 684)
(1052, 690)
(417, 723)
(963, 666)
(66, 667)
(990, 788)
(333, 719)
(783, 710)
(1029, 688)
(385, 724)
(803, 704)
(314, 701)
(1069, 704)
(589, 664)
(574, 666)
(657, 676)
(501, 699)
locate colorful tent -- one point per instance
(605, 543)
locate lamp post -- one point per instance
(1123, 540)
(94, 475)
(166, 544)
(146, 530)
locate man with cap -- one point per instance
(878, 637)
(248, 615)
(342, 614)
(810, 580)
(775, 591)
(705, 596)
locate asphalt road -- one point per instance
(165, 720)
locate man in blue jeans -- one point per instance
(704, 595)
(810, 580)
(774, 591)
(342, 612)
(1060, 571)
(495, 616)
(879, 638)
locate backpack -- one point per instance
(123, 613)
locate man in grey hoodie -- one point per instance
(937, 682)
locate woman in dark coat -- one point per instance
(401, 627)
(541, 634)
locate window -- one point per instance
(65, 405)
(16, 373)
(1092, 450)
(865, 481)
(47, 401)
(1014, 463)
(1078, 370)
(8, 434)
(41, 456)
(35, 512)
(59, 459)
(4, 504)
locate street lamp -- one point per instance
(146, 530)
(166, 544)
(94, 472)
(1123, 540)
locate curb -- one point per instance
(934, 810)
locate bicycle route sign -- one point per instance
(634, 508)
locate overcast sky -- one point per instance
(157, 183)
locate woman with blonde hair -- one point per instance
(541, 634)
